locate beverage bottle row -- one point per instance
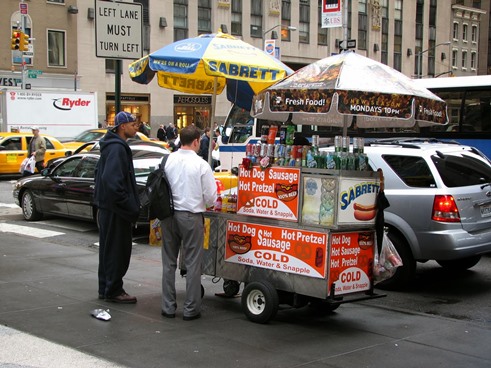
(308, 156)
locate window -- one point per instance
(56, 48)
(257, 18)
(286, 17)
(56, 1)
(464, 59)
(146, 24)
(473, 60)
(398, 9)
(12, 144)
(362, 31)
(362, 6)
(454, 59)
(111, 66)
(236, 18)
(456, 31)
(460, 170)
(180, 19)
(412, 170)
(86, 168)
(464, 32)
(474, 34)
(384, 57)
(321, 32)
(204, 16)
(67, 168)
(304, 31)
(397, 35)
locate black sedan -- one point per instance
(66, 187)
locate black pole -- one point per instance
(117, 86)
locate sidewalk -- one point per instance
(48, 289)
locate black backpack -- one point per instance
(157, 195)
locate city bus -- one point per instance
(469, 110)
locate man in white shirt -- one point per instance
(193, 190)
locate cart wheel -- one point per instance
(231, 287)
(260, 301)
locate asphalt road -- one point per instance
(463, 296)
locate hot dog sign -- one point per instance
(271, 193)
(297, 251)
(357, 201)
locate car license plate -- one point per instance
(486, 211)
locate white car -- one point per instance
(440, 203)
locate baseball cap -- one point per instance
(123, 117)
(34, 128)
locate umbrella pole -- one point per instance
(212, 119)
(345, 125)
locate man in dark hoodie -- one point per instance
(116, 197)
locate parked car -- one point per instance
(440, 203)
(66, 187)
(13, 150)
(92, 135)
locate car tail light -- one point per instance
(445, 209)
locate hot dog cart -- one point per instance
(295, 236)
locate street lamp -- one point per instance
(289, 28)
(274, 35)
(419, 59)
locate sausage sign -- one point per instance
(297, 251)
(271, 193)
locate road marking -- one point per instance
(9, 205)
(25, 230)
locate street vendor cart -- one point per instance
(298, 236)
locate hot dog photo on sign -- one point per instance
(357, 200)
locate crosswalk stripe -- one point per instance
(9, 205)
(25, 230)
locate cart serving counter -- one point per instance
(297, 236)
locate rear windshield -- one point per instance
(455, 170)
(459, 170)
(412, 170)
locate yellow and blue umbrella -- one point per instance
(207, 64)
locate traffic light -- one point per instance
(15, 42)
(24, 42)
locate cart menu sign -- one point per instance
(351, 261)
(296, 251)
(271, 192)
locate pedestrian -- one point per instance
(171, 132)
(36, 148)
(144, 129)
(116, 198)
(204, 145)
(193, 190)
(161, 136)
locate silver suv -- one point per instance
(440, 203)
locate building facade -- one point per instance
(420, 38)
